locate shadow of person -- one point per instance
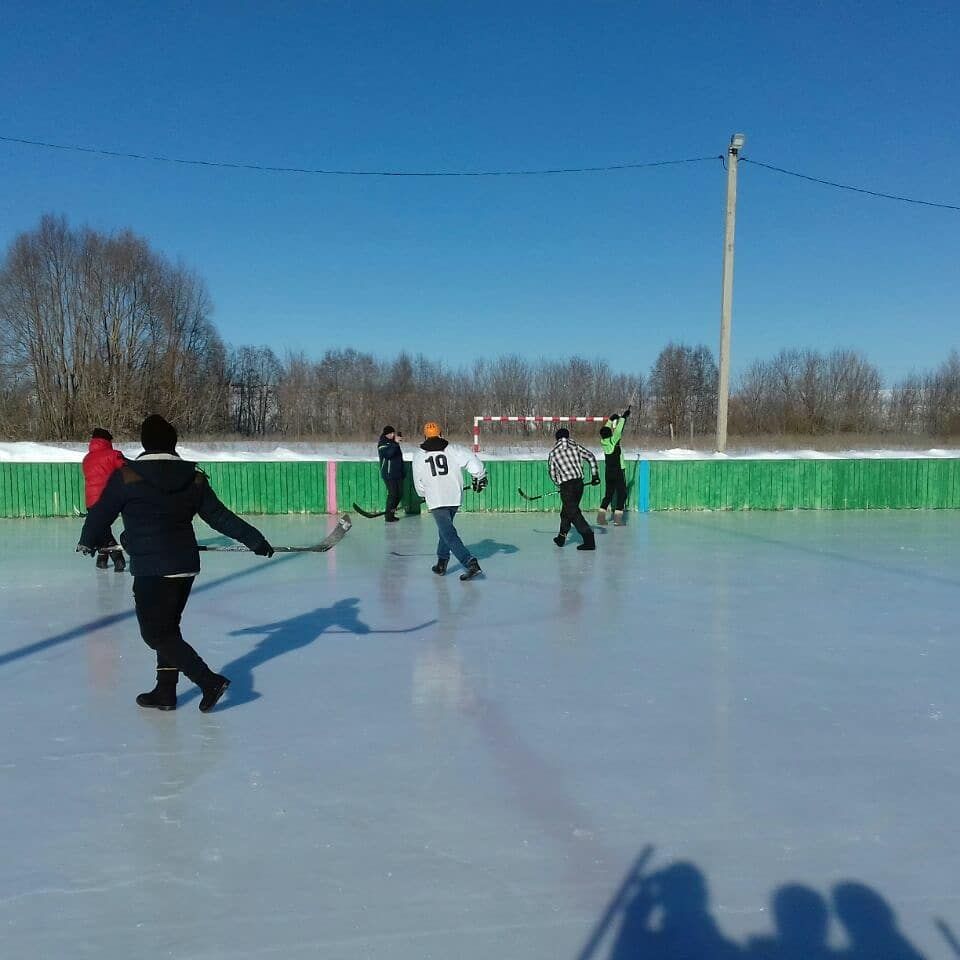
(281, 637)
(488, 548)
(871, 925)
(802, 918)
(667, 917)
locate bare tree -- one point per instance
(102, 329)
(683, 388)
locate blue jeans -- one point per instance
(449, 538)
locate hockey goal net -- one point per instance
(531, 420)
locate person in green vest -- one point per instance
(615, 477)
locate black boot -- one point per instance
(103, 561)
(559, 540)
(390, 517)
(473, 569)
(213, 690)
(119, 561)
(590, 544)
(164, 695)
(440, 567)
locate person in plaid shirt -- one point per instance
(564, 464)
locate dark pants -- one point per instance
(160, 602)
(394, 494)
(615, 491)
(449, 538)
(571, 492)
(109, 544)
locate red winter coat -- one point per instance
(98, 465)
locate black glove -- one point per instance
(263, 549)
(595, 482)
(626, 413)
(85, 550)
(615, 418)
(479, 483)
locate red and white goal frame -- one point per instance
(478, 420)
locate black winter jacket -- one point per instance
(391, 459)
(159, 495)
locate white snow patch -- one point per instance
(30, 452)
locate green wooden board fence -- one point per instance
(804, 484)
(56, 489)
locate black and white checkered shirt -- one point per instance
(564, 461)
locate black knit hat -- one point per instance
(157, 436)
(100, 434)
(562, 434)
(605, 433)
(388, 430)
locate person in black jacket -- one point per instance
(159, 494)
(391, 469)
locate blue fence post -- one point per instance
(643, 487)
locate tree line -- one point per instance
(101, 329)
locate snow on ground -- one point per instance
(409, 767)
(26, 452)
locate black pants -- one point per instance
(160, 602)
(615, 490)
(109, 544)
(394, 494)
(571, 492)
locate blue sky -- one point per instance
(603, 265)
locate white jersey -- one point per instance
(438, 472)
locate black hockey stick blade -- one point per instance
(327, 543)
(367, 513)
(539, 496)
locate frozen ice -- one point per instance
(759, 708)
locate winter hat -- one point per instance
(157, 436)
(388, 430)
(562, 434)
(100, 434)
(606, 433)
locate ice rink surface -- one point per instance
(727, 735)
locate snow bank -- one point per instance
(27, 452)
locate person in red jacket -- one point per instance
(98, 466)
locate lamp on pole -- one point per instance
(726, 298)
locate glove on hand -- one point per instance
(479, 484)
(85, 550)
(626, 413)
(595, 482)
(263, 549)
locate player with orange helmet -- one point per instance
(438, 467)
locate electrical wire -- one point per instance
(846, 186)
(548, 171)
(263, 168)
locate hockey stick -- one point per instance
(327, 543)
(367, 513)
(539, 496)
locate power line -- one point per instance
(263, 168)
(847, 186)
(548, 171)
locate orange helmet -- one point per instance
(431, 430)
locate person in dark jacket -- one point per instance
(98, 465)
(159, 495)
(391, 469)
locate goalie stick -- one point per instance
(327, 543)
